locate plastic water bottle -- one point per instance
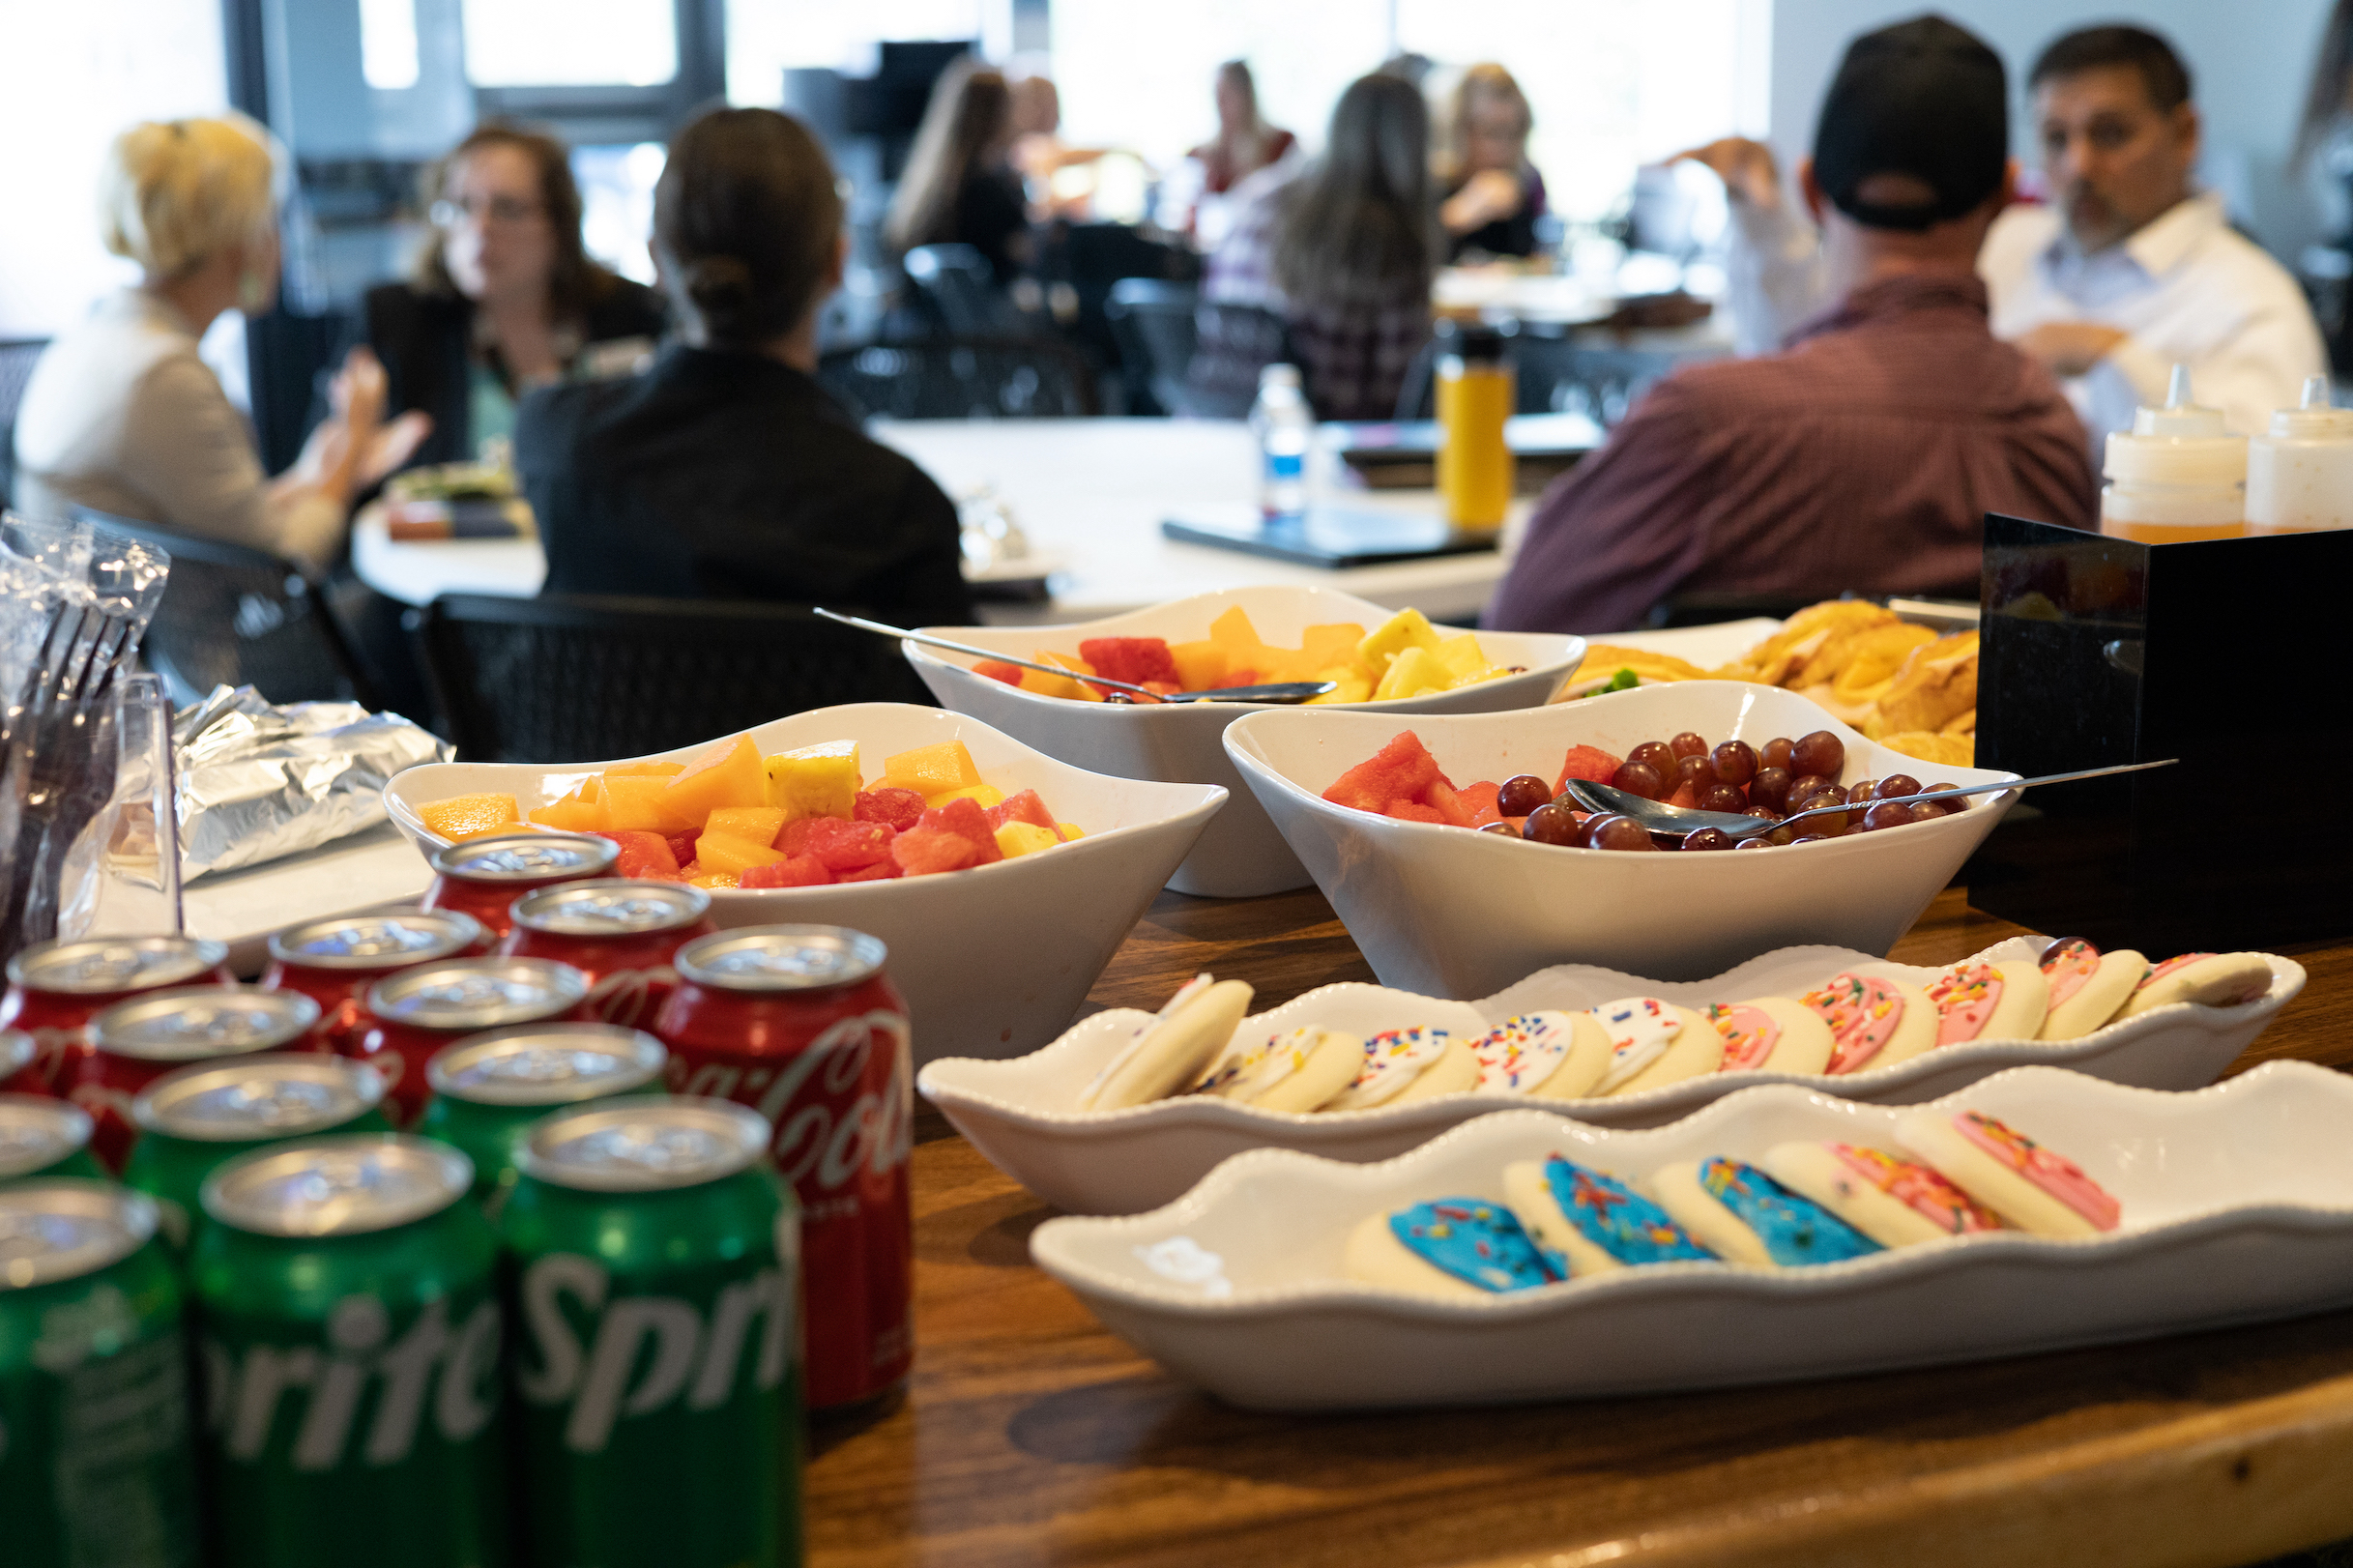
(1285, 428)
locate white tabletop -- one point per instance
(1089, 492)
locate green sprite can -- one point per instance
(44, 1137)
(96, 1460)
(195, 1120)
(488, 1088)
(654, 1265)
(347, 1303)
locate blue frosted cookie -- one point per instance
(1748, 1217)
(1595, 1221)
(1450, 1247)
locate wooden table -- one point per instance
(1031, 1435)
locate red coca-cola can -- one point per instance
(135, 1042)
(414, 1013)
(21, 1071)
(483, 877)
(800, 1023)
(621, 933)
(55, 988)
(333, 962)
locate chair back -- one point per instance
(17, 357)
(235, 616)
(959, 289)
(961, 378)
(587, 678)
(1153, 323)
(1556, 375)
(1232, 344)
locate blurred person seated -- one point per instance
(1245, 143)
(502, 297)
(1493, 194)
(2128, 271)
(1866, 454)
(960, 185)
(122, 416)
(725, 472)
(1040, 155)
(1343, 251)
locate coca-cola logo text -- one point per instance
(830, 1124)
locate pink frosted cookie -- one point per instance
(1990, 1001)
(1894, 1202)
(1770, 1034)
(2087, 986)
(2010, 1173)
(1874, 1021)
(2211, 979)
(1653, 1043)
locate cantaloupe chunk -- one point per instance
(1334, 643)
(987, 794)
(471, 816)
(1352, 686)
(724, 852)
(1070, 831)
(731, 774)
(932, 770)
(572, 815)
(1200, 665)
(1025, 838)
(657, 769)
(758, 823)
(1233, 633)
(638, 803)
(814, 781)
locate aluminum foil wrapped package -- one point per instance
(257, 781)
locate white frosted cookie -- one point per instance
(1896, 1202)
(1456, 1247)
(1875, 1019)
(1395, 1060)
(2007, 1172)
(1304, 1069)
(1170, 1050)
(1990, 1001)
(2214, 980)
(2087, 986)
(1654, 1043)
(1556, 1055)
(1455, 1072)
(1770, 1034)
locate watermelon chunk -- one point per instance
(923, 850)
(1009, 674)
(970, 819)
(1414, 811)
(901, 808)
(1685, 797)
(842, 847)
(880, 871)
(1480, 798)
(794, 839)
(682, 846)
(1401, 770)
(1026, 806)
(1590, 763)
(1132, 659)
(795, 871)
(1447, 802)
(642, 855)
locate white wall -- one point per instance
(2250, 63)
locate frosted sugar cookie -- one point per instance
(2009, 1173)
(1456, 1072)
(2087, 985)
(1770, 1034)
(1741, 1214)
(1891, 1201)
(1296, 1071)
(1990, 1001)
(1395, 1060)
(1449, 1246)
(1874, 1021)
(1595, 1221)
(1556, 1055)
(2214, 979)
(1172, 1047)
(1654, 1042)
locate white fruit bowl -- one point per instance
(1451, 912)
(2237, 1200)
(993, 961)
(1242, 854)
(1025, 1114)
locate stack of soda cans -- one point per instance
(564, 1319)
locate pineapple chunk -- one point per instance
(1414, 671)
(932, 770)
(716, 879)
(471, 816)
(1025, 838)
(1353, 686)
(1407, 628)
(815, 781)
(1462, 656)
(1070, 831)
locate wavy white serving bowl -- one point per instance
(1024, 1113)
(1451, 912)
(1242, 854)
(2238, 1205)
(993, 961)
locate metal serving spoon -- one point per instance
(1285, 691)
(1676, 822)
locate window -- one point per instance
(766, 38)
(570, 43)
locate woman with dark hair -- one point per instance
(502, 298)
(960, 187)
(1343, 252)
(725, 472)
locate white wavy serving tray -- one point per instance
(2238, 1207)
(1022, 1113)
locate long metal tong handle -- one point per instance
(984, 652)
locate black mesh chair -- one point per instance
(1232, 344)
(961, 378)
(1152, 322)
(958, 289)
(17, 357)
(583, 677)
(234, 616)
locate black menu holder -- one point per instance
(2217, 652)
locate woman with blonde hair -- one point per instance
(960, 187)
(1245, 143)
(1493, 194)
(121, 415)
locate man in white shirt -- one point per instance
(2125, 273)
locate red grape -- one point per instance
(1762, 813)
(1777, 752)
(1553, 823)
(1810, 838)
(1735, 762)
(1709, 838)
(1805, 786)
(1694, 773)
(1720, 798)
(1770, 787)
(1781, 836)
(1500, 828)
(1612, 833)
(1820, 753)
(1657, 756)
(1688, 744)
(1639, 778)
(1961, 804)
(1831, 825)
(1521, 795)
(1859, 793)
(1886, 814)
(1895, 784)
(1759, 842)
(1926, 811)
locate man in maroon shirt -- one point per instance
(1866, 454)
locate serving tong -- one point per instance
(1281, 693)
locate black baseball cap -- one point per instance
(1923, 98)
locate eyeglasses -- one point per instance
(506, 211)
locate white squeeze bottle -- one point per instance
(2176, 474)
(2300, 476)
(1285, 428)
